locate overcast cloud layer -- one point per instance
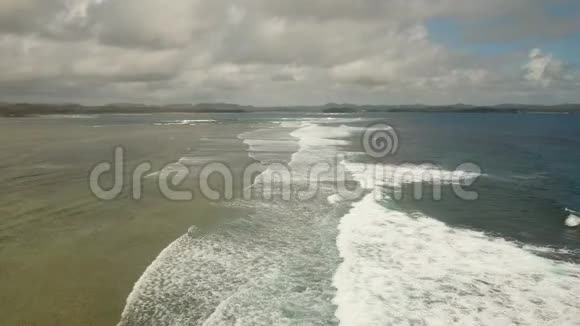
(276, 52)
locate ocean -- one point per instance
(461, 222)
(505, 258)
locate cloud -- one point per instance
(145, 23)
(529, 21)
(271, 51)
(543, 69)
(32, 59)
(23, 16)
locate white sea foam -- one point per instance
(312, 135)
(73, 116)
(269, 145)
(311, 144)
(273, 267)
(373, 175)
(407, 269)
(183, 122)
(184, 162)
(573, 219)
(402, 269)
(336, 198)
(196, 161)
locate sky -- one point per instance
(290, 52)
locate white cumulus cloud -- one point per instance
(270, 52)
(543, 68)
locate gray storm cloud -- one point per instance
(270, 52)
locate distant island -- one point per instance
(32, 109)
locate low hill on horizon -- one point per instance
(31, 109)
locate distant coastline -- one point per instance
(30, 109)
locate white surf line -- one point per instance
(573, 219)
(401, 269)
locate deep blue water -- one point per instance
(531, 166)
